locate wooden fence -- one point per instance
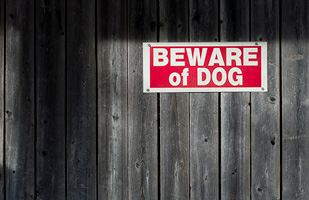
(74, 122)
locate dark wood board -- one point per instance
(112, 98)
(20, 101)
(50, 99)
(81, 143)
(295, 95)
(235, 111)
(265, 106)
(2, 96)
(204, 111)
(174, 111)
(142, 108)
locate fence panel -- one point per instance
(204, 111)
(235, 111)
(142, 108)
(174, 111)
(265, 113)
(81, 100)
(20, 101)
(112, 93)
(75, 122)
(50, 82)
(2, 96)
(295, 95)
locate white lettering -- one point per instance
(215, 76)
(238, 80)
(175, 56)
(196, 56)
(200, 72)
(185, 75)
(230, 57)
(248, 56)
(160, 54)
(216, 57)
(171, 79)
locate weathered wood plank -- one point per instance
(295, 99)
(2, 98)
(81, 100)
(112, 98)
(50, 82)
(19, 100)
(265, 114)
(174, 111)
(235, 111)
(204, 116)
(142, 108)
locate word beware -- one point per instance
(197, 57)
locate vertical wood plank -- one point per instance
(265, 115)
(81, 100)
(295, 95)
(142, 110)
(50, 87)
(2, 97)
(204, 116)
(235, 111)
(174, 111)
(112, 91)
(19, 87)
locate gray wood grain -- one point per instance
(174, 111)
(112, 98)
(265, 113)
(50, 82)
(204, 116)
(2, 98)
(19, 100)
(81, 100)
(295, 99)
(142, 108)
(235, 111)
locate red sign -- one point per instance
(205, 67)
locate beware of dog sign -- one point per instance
(205, 67)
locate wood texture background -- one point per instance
(75, 124)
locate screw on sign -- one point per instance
(205, 67)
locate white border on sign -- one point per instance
(146, 68)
